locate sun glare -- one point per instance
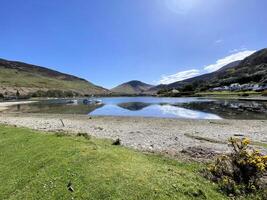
(181, 6)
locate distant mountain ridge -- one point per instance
(28, 78)
(132, 88)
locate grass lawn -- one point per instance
(37, 165)
(229, 93)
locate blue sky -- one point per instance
(112, 41)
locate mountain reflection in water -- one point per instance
(231, 109)
(55, 108)
(153, 110)
(134, 106)
(187, 108)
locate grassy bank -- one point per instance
(40, 166)
(231, 94)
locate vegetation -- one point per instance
(253, 69)
(55, 93)
(187, 90)
(241, 172)
(14, 75)
(132, 88)
(229, 93)
(37, 165)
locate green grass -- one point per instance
(229, 93)
(15, 78)
(37, 165)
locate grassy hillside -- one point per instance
(252, 69)
(132, 87)
(37, 165)
(29, 78)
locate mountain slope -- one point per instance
(132, 87)
(251, 69)
(27, 78)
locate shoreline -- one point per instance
(256, 98)
(5, 104)
(161, 135)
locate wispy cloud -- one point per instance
(228, 59)
(179, 76)
(238, 50)
(218, 41)
(237, 54)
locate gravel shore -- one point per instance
(148, 134)
(5, 105)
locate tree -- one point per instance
(188, 88)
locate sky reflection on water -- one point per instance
(186, 108)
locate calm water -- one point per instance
(189, 108)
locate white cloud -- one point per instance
(237, 54)
(238, 50)
(218, 41)
(228, 59)
(179, 76)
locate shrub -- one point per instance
(245, 95)
(188, 88)
(240, 172)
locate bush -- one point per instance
(264, 93)
(188, 88)
(244, 95)
(240, 172)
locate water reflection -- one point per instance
(153, 110)
(231, 109)
(186, 113)
(55, 108)
(189, 108)
(134, 106)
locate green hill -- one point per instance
(132, 88)
(252, 69)
(28, 79)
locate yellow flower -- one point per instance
(245, 142)
(257, 151)
(261, 166)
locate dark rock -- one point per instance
(117, 142)
(70, 188)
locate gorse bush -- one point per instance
(240, 172)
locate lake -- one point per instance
(185, 108)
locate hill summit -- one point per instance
(132, 88)
(30, 79)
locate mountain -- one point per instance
(251, 69)
(230, 65)
(132, 87)
(28, 79)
